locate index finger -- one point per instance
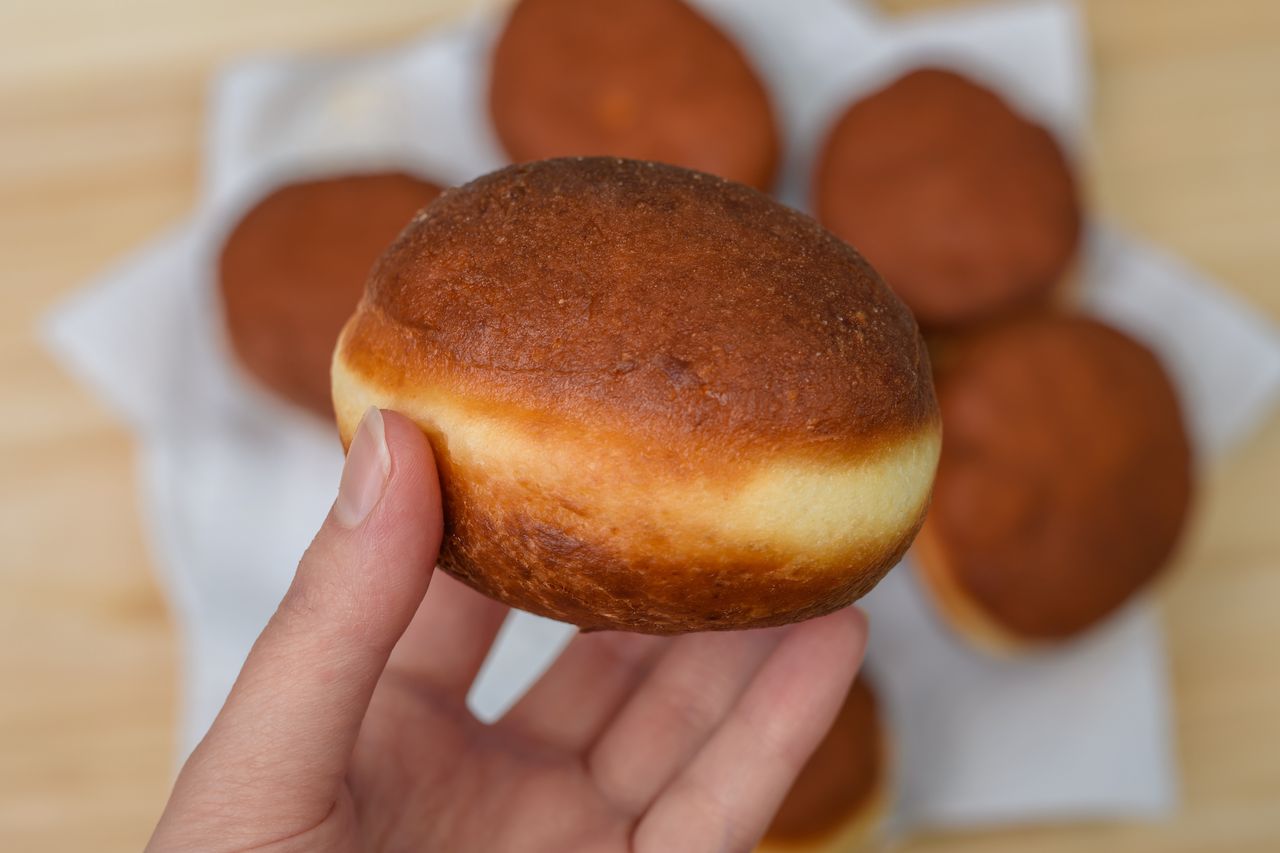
(727, 796)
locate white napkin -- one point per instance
(236, 482)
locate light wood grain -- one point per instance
(100, 120)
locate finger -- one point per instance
(449, 638)
(277, 751)
(584, 688)
(673, 712)
(726, 797)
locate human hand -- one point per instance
(348, 729)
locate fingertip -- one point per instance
(831, 648)
(410, 448)
(413, 494)
(406, 432)
(858, 624)
(369, 576)
(848, 627)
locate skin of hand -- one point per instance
(348, 729)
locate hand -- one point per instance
(348, 728)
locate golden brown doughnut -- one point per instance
(649, 79)
(966, 208)
(294, 267)
(841, 799)
(1064, 480)
(660, 401)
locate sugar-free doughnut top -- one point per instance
(661, 400)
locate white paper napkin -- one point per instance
(235, 483)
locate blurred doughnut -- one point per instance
(1064, 481)
(647, 79)
(966, 208)
(293, 269)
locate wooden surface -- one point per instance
(100, 116)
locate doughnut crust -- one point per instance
(966, 208)
(648, 79)
(294, 267)
(660, 401)
(841, 797)
(1064, 480)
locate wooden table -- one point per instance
(100, 119)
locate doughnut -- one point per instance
(840, 801)
(967, 209)
(659, 401)
(293, 269)
(649, 79)
(1064, 481)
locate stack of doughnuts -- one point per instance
(662, 402)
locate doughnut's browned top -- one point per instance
(646, 296)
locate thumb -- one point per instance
(281, 744)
